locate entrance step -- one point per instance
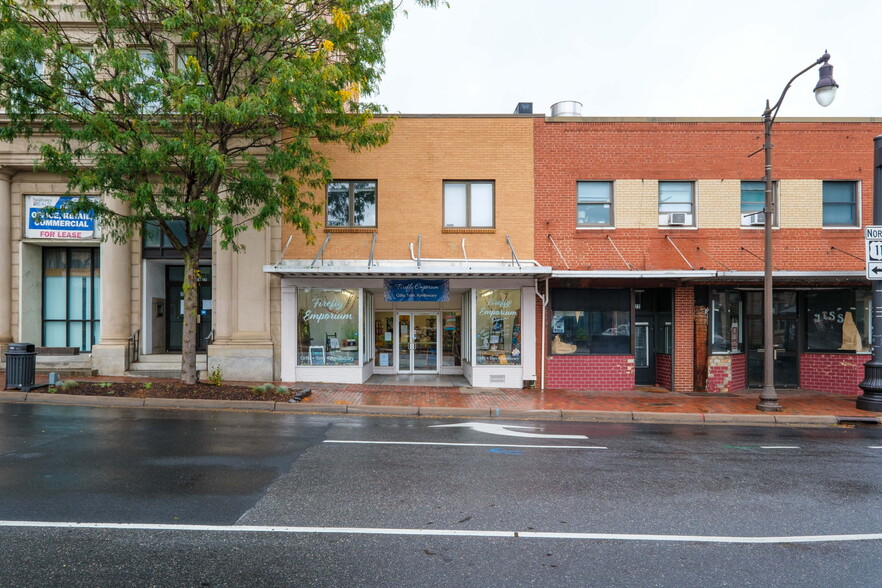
(163, 366)
(66, 366)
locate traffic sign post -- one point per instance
(873, 237)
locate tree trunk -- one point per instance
(191, 315)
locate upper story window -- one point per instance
(753, 201)
(840, 204)
(144, 92)
(594, 204)
(158, 245)
(352, 204)
(676, 204)
(469, 205)
(78, 83)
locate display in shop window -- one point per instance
(328, 321)
(498, 319)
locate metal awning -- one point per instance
(298, 268)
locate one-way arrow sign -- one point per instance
(493, 429)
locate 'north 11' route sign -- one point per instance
(873, 236)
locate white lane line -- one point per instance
(875, 446)
(778, 447)
(463, 444)
(442, 532)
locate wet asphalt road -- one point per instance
(221, 469)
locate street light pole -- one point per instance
(871, 399)
(825, 91)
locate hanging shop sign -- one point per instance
(59, 225)
(417, 291)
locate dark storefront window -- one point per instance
(591, 322)
(838, 320)
(725, 322)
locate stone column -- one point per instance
(243, 347)
(109, 356)
(5, 259)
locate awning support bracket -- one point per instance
(513, 254)
(321, 252)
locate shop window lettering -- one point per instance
(311, 315)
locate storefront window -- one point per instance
(71, 297)
(724, 328)
(498, 327)
(838, 320)
(327, 330)
(591, 322)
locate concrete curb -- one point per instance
(75, 400)
(213, 404)
(740, 419)
(309, 407)
(455, 411)
(377, 409)
(600, 416)
(803, 419)
(13, 396)
(668, 417)
(515, 413)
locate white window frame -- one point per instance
(469, 224)
(856, 186)
(746, 218)
(693, 205)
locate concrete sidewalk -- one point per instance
(800, 407)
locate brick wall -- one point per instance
(837, 373)
(663, 373)
(739, 372)
(410, 170)
(590, 372)
(684, 362)
(636, 154)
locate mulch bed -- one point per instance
(169, 389)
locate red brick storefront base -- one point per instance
(726, 373)
(590, 372)
(836, 373)
(663, 371)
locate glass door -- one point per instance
(785, 328)
(418, 345)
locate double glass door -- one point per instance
(417, 342)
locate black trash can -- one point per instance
(21, 365)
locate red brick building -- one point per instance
(654, 228)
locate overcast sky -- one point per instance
(634, 57)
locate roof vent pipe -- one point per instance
(566, 108)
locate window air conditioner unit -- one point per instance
(679, 219)
(758, 219)
(754, 219)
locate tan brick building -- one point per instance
(423, 262)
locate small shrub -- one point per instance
(68, 384)
(147, 385)
(216, 377)
(105, 384)
(51, 389)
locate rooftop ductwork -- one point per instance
(566, 108)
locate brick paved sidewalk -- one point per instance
(794, 402)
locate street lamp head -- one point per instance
(825, 90)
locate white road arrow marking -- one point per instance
(493, 429)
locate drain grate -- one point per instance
(662, 404)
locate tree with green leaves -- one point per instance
(206, 112)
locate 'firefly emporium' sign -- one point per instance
(417, 290)
(60, 225)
